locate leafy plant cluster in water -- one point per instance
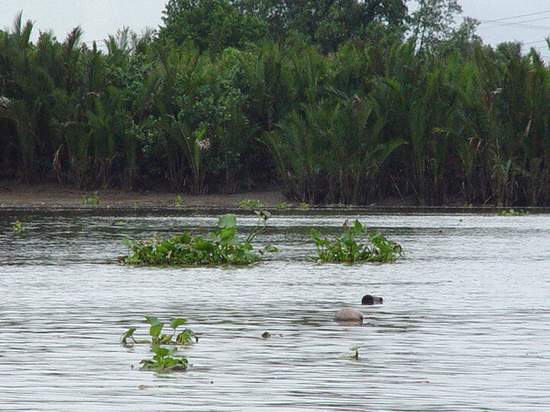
(347, 249)
(18, 227)
(251, 204)
(179, 201)
(512, 212)
(282, 206)
(221, 247)
(164, 358)
(90, 199)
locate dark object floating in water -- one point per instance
(372, 300)
(266, 335)
(349, 315)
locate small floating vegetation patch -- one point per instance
(185, 337)
(164, 359)
(282, 206)
(221, 247)
(251, 204)
(179, 201)
(90, 199)
(347, 249)
(18, 227)
(512, 212)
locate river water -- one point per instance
(465, 323)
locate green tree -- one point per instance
(327, 23)
(434, 21)
(211, 24)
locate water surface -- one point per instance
(464, 325)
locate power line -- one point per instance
(515, 17)
(524, 26)
(534, 42)
(519, 22)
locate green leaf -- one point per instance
(315, 234)
(155, 330)
(160, 351)
(187, 337)
(129, 334)
(152, 320)
(129, 243)
(165, 339)
(176, 322)
(227, 221)
(227, 234)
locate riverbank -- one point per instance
(51, 198)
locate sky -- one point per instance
(99, 18)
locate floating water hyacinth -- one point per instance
(220, 247)
(164, 359)
(346, 249)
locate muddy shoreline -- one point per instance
(54, 196)
(50, 198)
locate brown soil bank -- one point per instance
(53, 196)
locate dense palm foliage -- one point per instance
(359, 118)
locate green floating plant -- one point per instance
(512, 212)
(347, 249)
(163, 359)
(251, 204)
(221, 247)
(184, 338)
(282, 206)
(179, 201)
(18, 227)
(90, 199)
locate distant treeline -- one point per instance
(334, 101)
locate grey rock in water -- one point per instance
(349, 315)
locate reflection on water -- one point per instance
(464, 325)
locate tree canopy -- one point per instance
(210, 24)
(230, 23)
